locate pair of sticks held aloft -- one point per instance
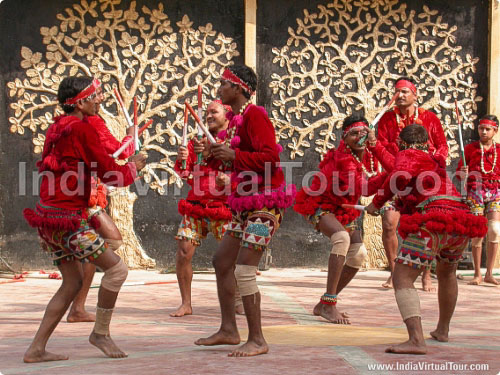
(202, 129)
(137, 131)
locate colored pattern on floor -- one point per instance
(299, 341)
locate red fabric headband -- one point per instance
(229, 76)
(354, 125)
(408, 84)
(488, 122)
(226, 107)
(85, 93)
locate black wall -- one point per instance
(156, 216)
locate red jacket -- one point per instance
(257, 146)
(418, 178)
(108, 141)
(257, 153)
(344, 182)
(476, 176)
(205, 199)
(70, 141)
(388, 132)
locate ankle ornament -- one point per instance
(328, 299)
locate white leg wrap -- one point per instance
(114, 277)
(493, 234)
(246, 279)
(238, 301)
(113, 245)
(408, 302)
(477, 241)
(340, 241)
(102, 320)
(356, 255)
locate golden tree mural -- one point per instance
(139, 53)
(347, 55)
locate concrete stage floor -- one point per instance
(300, 343)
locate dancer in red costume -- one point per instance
(345, 174)
(435, 223)
(72, 152)
(404, 113)
(106, 228)
(205, 209)
(258, 205)
(483, 193)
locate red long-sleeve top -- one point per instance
(72, 152)
(416, 177)
(108, 141)
(205, 199)
(341, 180)
(476, 176)
(389, 129)
(257, 147)
(201, 177)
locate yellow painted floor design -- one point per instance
(331, 335)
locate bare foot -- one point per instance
(439, 336)
(77, 317)
(182, 310)
(220, 338)
(476, 280)
(407, 347)
(250, 349)
(330, 313)
(317, 311)
(490, 279)
(33, 356)
(388, 283)
(427, 285)
(239, 310)
(107, 345)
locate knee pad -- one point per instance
(246, 279)
(114, 277)
(113, 245)
(340, 241)
(493, 234)
(408, 302)
(477, 241)
(356, 255)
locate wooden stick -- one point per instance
(126, 144)
(354, 206)
(200, 115)
(184, 132)
(379, 116)
(122, 106)
(136, 131)
(460, 133)
(198, 121)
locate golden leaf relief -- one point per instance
(136, 51)
(347, 56)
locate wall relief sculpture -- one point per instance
(142, 54)
(347, 54)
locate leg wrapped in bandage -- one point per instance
(102, 320)
(356, 255)
(493, 234)
(408, 302)
(113, 245)
(114, 277)
(238, 301)
(340, 241)
(246, 279)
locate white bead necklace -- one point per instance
(494, 158)
(372, 164)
